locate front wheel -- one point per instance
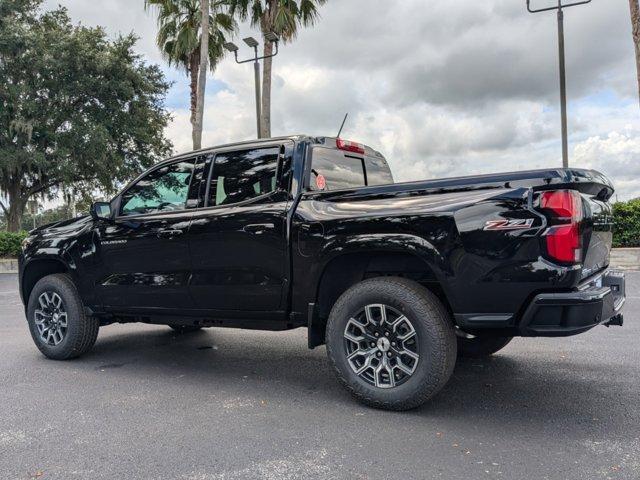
(391, 343)
(58, 324)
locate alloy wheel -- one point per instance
(381, 346)
(51, 318)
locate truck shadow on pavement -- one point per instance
(529, 390)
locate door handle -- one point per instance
(259, 228)
(169, 233)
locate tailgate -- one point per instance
(579, 218)
(597, 235)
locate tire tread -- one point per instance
(85, 336)
(444, 337)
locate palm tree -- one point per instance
(635, 26)
(283, 17)
(202, 76)
(179, 40)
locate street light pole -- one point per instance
(256, 70)
(563, 88)
(253, 43)
(563, 75)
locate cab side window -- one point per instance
(164, 189)
(243, 175)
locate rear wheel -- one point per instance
(58, 324)
(478, 347)
(391, 343)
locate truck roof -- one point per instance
(318, 140)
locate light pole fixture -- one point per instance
(253, 43)
(563, 76)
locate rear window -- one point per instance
(378, 172)
(337, 169)
(333, 169)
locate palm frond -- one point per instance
(179, 22)
(309, 13)
(285, 22)
(283, 17)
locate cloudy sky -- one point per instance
(441, 87)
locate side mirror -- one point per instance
(101, 211)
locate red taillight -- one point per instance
(564, 242)
(348, 146)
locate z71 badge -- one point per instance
(520, 224)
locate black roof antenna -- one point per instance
(342, 126)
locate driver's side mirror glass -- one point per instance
(101, 210)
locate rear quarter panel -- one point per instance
(480, 271)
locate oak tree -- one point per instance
(76, 108)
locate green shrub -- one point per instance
(10, 243)
(626, 215)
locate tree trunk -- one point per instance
(202, 75)
(17, 204)
(194, 65)
(265, 121)
(71, 203)
(635, 28)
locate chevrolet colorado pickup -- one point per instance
(397, 279)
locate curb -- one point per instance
(625, 258)
(8, 265)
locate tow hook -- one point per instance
(615, 321)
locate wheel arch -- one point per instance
(37, 269)
(344, 270)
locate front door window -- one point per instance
(162, 190)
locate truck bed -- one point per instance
(586, 181)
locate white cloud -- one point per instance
(441, 88)
(117, 17)
(620, 152)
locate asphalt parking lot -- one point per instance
(147, 403)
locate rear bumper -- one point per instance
(597, 301)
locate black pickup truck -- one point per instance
(397, 279)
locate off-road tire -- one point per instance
(435, 333)
(479, 347)
(81, 331)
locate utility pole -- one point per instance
(563, 75)
(253, 43)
